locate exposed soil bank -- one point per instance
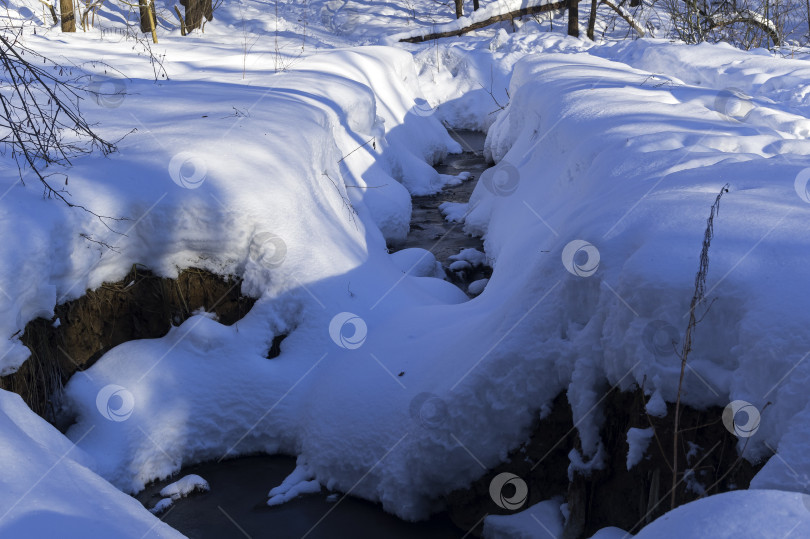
(139, 306)
(614, 495)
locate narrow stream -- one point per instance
(236, 505)
(430, 230)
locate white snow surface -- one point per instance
(46, 486)
(185, 486)
(296, 180)
(638, 440)
(761, 514)
(542, 519)
(299, 482)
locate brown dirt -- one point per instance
(613, 496)
(139, 306)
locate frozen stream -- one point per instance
(236, 503)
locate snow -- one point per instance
(185, 486)
(476, 287)
(638, 440)
(48, 484)
(299, 482)
(543, 519)
(753, 513)
(656, 406)
(162, 506)
(299, 179)
(473, 257)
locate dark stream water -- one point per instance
(429, 229)
(236, 505)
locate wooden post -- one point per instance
(573, 18)
(68, 15)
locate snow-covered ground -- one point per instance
(280, 151)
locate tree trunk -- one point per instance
(143, 9)
(68, 15)
(592, 19)
(182, 22)
(195, 11)
(459, 8)
(808, 16)
(476, 6)
(573, 18)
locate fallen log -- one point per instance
(624, 14)
(554, 6)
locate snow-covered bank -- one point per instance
(628, 168)
(46, 486)
(390, 385)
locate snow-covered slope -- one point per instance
(46, 488)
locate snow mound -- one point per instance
(749, 513)
(185, 486)
(46, 486)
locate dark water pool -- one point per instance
(236, 507)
